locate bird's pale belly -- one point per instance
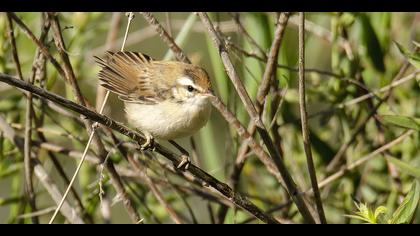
(168, 120)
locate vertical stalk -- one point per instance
(304, 120)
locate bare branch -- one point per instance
(304, 120)
(29, 189)
(166, 37)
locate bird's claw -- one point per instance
(185, 162)
(149, 143)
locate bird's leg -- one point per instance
(149, 143)
(185, 156)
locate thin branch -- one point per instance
(275, 155)
(357, 100)
(396, 81)
(29, 189)
(292, 69)
(67, 210)
(110, 43)
(201, 175)
(169, 23)
(181, 196)
(330, 179)
(270, 68)
(10, 34)
(363, 159)
(149, 31)
(304, 120)
(244, 32)
(324, 34)
(38, 213)
(155, 190)
(166, 37)
(40, 45)
(237, 83)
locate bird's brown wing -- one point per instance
(132, 76)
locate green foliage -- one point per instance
(367, 214)
(403, 214)
(371, 47)
(412, 57)
(402, 121)
(405, 167)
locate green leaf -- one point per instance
(11, 200)
(370, 44)
(413, 58)
(417, 44)
(407, 168)
(405, 211)
(365, 213)
(380, 210)
(402, 121)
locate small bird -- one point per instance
(163, 99)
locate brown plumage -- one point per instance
(137, 78)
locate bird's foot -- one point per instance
(149, 142)
(184, 163)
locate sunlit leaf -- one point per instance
(405, 211)
(365, 213)
(413, 58)
(379, 211)
(370, 43)
(405, 167)
(10, 200)
(402, 121)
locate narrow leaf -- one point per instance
(413, 58)
(402, 121)
(371, 44)
(405, 167)
(405, 211)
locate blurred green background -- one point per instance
(357, 46)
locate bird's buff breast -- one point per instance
(169, 120)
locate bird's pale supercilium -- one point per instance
(163, 99)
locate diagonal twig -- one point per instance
(166, 37)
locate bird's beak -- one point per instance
(209, 93)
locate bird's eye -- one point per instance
(190, 88)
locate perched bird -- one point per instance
(163, 99)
